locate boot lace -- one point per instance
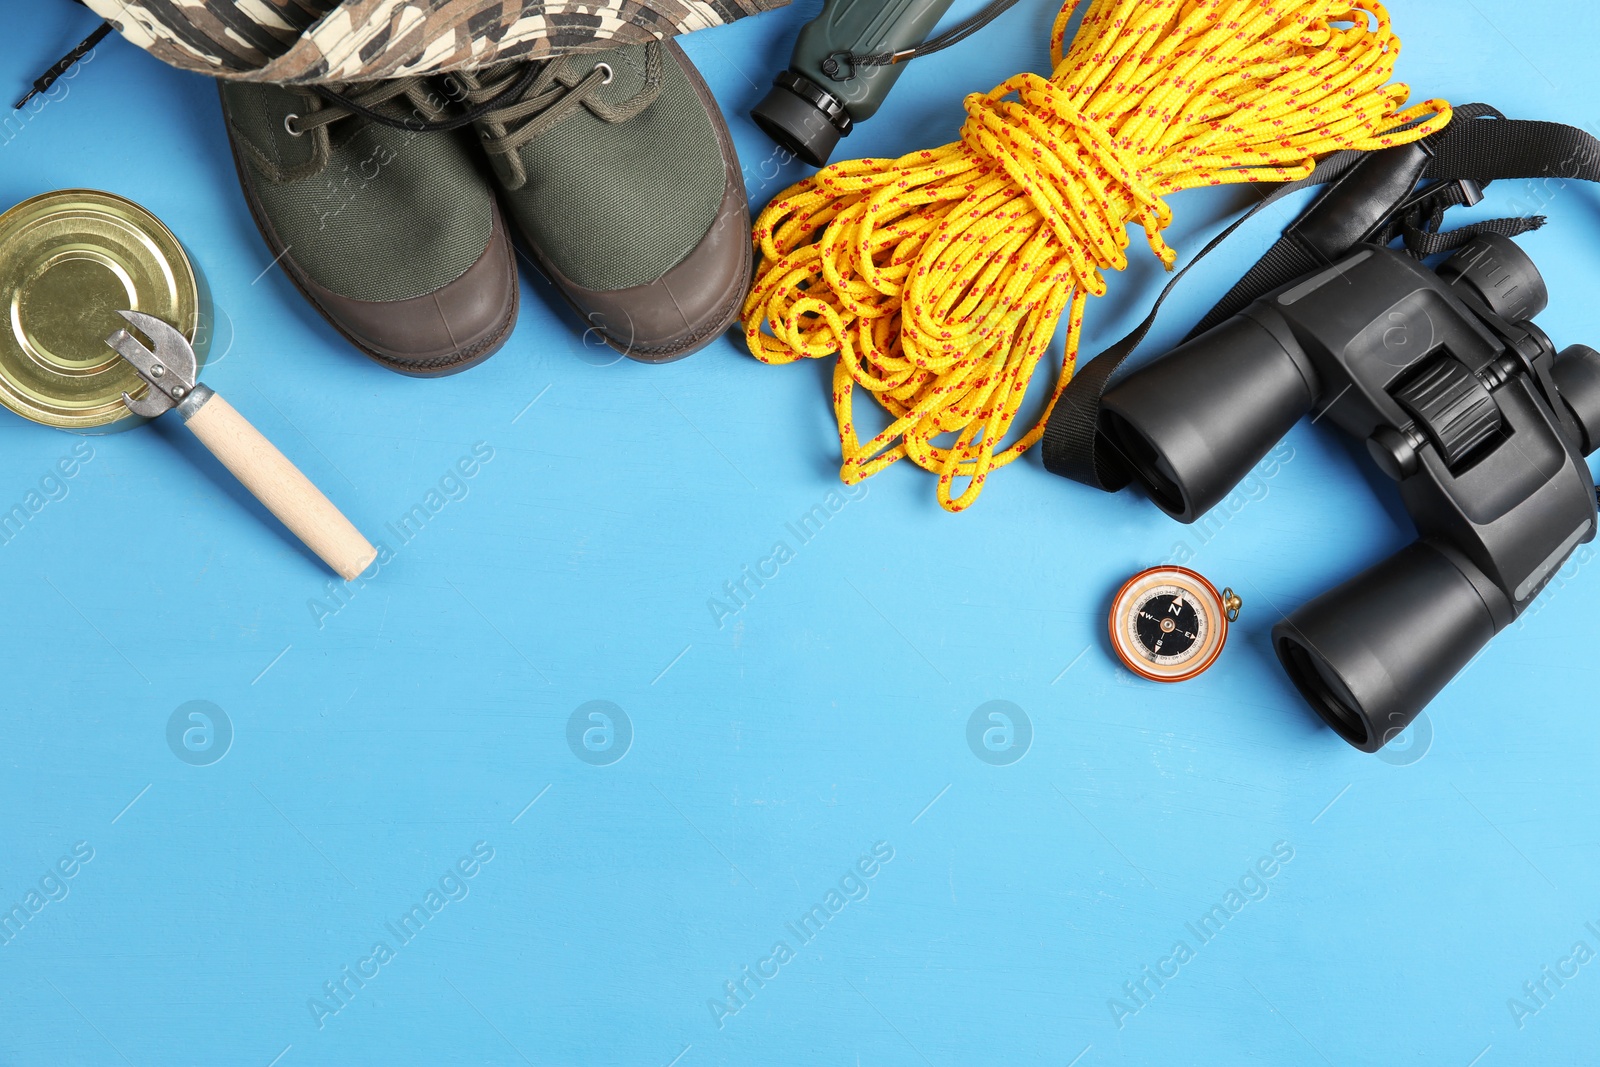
(406, 103)
(517, 102)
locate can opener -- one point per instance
(170, 371)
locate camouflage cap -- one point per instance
(307, 41)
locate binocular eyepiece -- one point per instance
(1461, 399)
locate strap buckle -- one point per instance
(1454, 192)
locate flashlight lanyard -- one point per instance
(849, 61)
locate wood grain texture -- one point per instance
(279, 485)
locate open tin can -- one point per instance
(78, 269)
(69, 260)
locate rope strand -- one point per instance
(939, 279)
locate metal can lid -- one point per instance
(69, 260)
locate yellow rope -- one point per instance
(939, 278)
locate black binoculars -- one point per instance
(1461, 399)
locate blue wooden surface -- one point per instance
(403, 743)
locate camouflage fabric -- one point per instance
(308, 41)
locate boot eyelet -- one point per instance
(290, 127)
(609, 73)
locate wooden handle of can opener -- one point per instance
(279, 485)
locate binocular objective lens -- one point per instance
(1329, 695)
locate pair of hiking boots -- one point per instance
(614, 168)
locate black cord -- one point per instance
(48, 78)
(510, 95)
(953, 36)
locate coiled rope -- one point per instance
(939, 279)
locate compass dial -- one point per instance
(1168, 623)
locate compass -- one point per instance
(1169, 624)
